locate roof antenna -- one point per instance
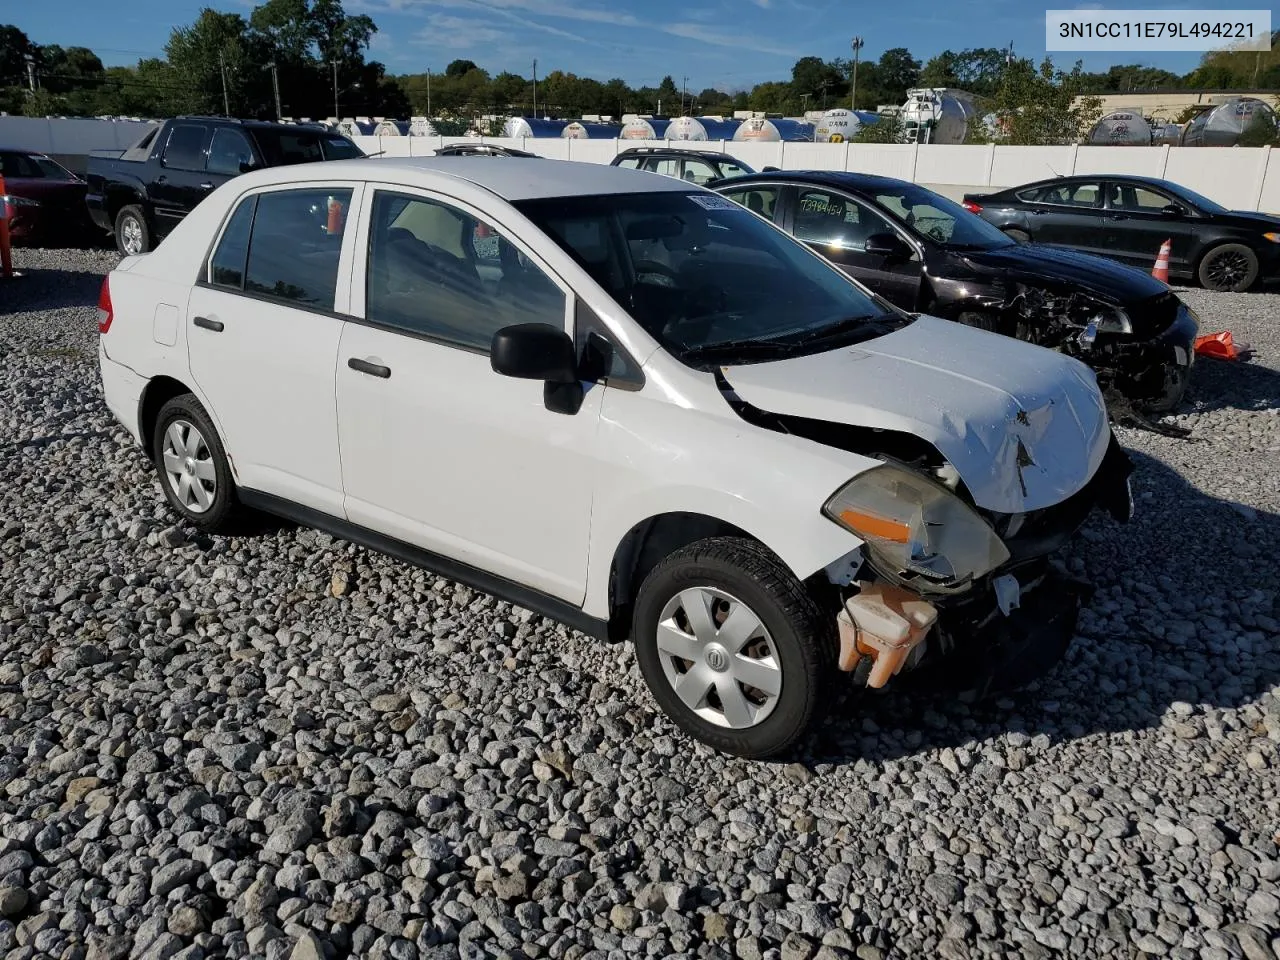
(1051, 170)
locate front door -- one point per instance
(179, 185)
(437, 449)
(1138, 225)
(262, 336)
(837, 226)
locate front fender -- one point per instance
(681, 460)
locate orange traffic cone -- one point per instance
(1161, 270)
(6, 258)
(1221, 346)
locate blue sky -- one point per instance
(729, 44)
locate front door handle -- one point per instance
(1119, 216)
(206, 186)
(373, 369)
(207, 324)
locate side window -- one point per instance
(1139, 199)
(185, 149)
(667, 166)
(730, 169)
(226, 266)
(228, 151)
(19, 165)
(1066, 195)
(761, 200)
(296, 244)
(698, 171)
(436, 270)
(632, 163)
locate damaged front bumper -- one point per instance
(1152, 373)
(1009, 628)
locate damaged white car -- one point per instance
(626, 403)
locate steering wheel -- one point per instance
(652, 268)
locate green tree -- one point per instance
(897, 72)
(199, 53)
(669, 95)
(815, 77)
(459, 68)
(1041, 106)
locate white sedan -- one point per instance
(624, 402)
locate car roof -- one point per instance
(831, 178)
(682, 151)
(1090, 178)
(534, 178)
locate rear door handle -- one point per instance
(373, 369)
(207, 324)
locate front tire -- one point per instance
(132, 235)
(193, 467)
(733, 647)
(1231, 267)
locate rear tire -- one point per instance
(1021, 236)
(193, 467)
(1231, 267)
(755, 698)
(132, 235)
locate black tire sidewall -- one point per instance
(135, 212)
(225, 504)
(1250, 277)
(794, 646)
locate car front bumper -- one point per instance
(1152, 373)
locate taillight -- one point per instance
(971, 206)
(105, 315)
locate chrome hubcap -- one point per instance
(132, 232)
(188, 466)
(719, 657)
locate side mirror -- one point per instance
(246, 166)
(536, 351)
(769, 170)
(1173, 210)
(887, 245)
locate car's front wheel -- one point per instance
(733, 647)
(193, 466)
(1229, 267)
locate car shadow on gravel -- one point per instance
(1179, 616)
(1232, 384)
(43, 289)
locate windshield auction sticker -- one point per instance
(1153, 30)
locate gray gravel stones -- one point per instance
(278, 745)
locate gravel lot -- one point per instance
(284, 746)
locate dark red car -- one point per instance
(46, 200)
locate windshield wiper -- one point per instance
(873, 326)
(728, 349)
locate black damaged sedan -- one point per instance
(927, 254)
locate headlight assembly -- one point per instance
(915, 529)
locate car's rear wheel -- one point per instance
(1019, 235)
(193, 466)
(732, 646)
(132, 235)
(1229, 267)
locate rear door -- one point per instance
(263, 331)
(1067, 214)
(1138, 226)
(837, 225)
(181, 182)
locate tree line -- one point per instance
(288, 56)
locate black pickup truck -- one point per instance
(139, 194)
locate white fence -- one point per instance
(1240, 178)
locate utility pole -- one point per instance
(535, 88)
(226, 100)
(275, 88)
(31, 71)
(684, 87)
(856, 44)
(428, 93)
(823, 87)
(804, 102)
(336, 114)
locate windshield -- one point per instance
(283, 147)
(935, 218)
(51, 169)
(706, 277)
(1196, 200)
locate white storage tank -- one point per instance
(421, 127)
(581, 130)
(759, 129)
(842, 124)
(645, 128)
(392, 128)
(937, 115)
(1222, 126)
(1123, 128)
(533, 127)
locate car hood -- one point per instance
(1025, 427)
(1036, 263)
(1248, 219)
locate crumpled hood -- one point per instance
(1035, 263)
(1024, 426)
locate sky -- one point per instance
(729, 44)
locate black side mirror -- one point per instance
(769, 170)
(536, 351)
(1173, 210)
(887, 245)
(246, 166)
